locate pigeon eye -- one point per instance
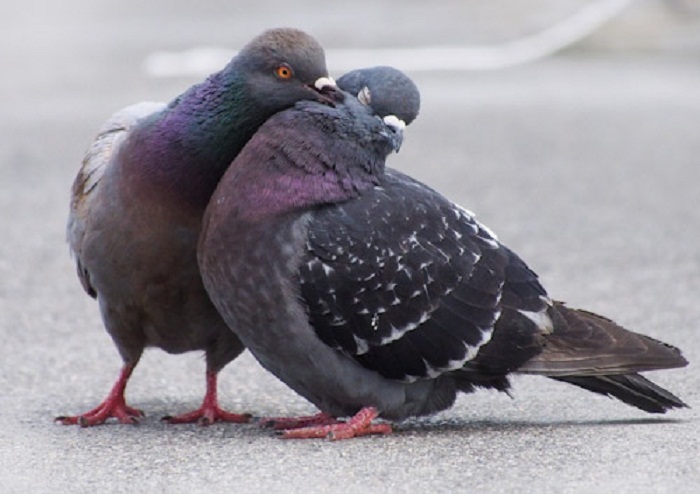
(284, 72)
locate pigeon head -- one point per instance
(202, 130)
(282, 66)
(387, 90)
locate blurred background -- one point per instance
(55, 54)
(570, 127)
(592, 105)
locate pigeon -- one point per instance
(373, 296)
(137, 205)
(386, 89)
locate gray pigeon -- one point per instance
(387, 90)
(372, 295)
(138, 201)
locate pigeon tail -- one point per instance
(632, 389)
(594, 353)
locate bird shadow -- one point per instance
(484, 426)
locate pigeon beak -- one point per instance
(325, 82)
(394, 122)
(397, 126)
(327, 90)
(397, 141)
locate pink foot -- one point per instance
(209, 412)
(114, 406)
(359, 425)
(119, 410)
(286, 423)
(207, 415)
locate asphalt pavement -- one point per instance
(587, 164)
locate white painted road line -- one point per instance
(200, 61)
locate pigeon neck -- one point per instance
(190, 144)
(295, 176)
(267, 197)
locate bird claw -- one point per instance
(99, 415)
(114, 406)
(206, 416)
(350, 432)
(335, 432)
(286, 423)
(359, 425)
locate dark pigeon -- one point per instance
(372, 295)
(379, 87)
(138, 201)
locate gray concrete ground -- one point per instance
(587, 165)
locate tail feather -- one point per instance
(632, 389)
(586, 344)
(594, 353)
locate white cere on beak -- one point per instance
(394, 122)
(322, 82)
(365, 96)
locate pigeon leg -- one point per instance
(210, 411)
(287, 423)
(359, 425)
(113, 406)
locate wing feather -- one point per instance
(95, 162)
(406, 282)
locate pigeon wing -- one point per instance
(405, 282)
(95, 162)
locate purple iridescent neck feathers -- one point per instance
(186, 147)
(317, 154)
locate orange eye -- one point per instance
(284, 72)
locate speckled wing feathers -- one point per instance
(407, 283)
